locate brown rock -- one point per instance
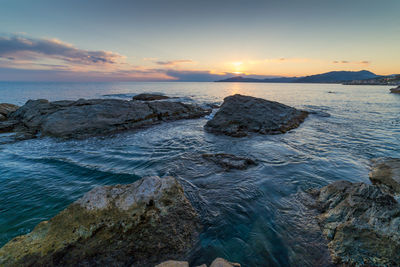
(386, 173)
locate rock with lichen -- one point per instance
(138, 224)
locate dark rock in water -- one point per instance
(149, 97)
(386, 174)
(82, 118)
(395, 90)
(137, 224)
(361, 223)
(229, 161)
(6, 109)
(240, 115)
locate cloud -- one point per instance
(173, 62)
(21, 48)
(365, 62)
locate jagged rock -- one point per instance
(395, 90)
(361, 223)
(2, 117)
(218, 262)
(386, 173)
(229, 161)
(82, 118)
(149, 97)
(8, 125)
(137, 224)
(240, 115)
(6, 109)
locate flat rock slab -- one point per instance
(386, 173)
(149, 97)
(137, 224)
(240, 115)
(361, 223)
(83, 118)
(229, 161)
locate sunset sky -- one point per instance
(98, 40)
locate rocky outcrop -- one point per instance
(82, 118)
(361, 223)
(6, 109)
(149, 97)
(218, 262)
(137, 224)
(386, 174)
(240, 115)
(395, 90)
(229, 161)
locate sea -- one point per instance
(257, 217)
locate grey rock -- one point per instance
(2, 117)
(82, 118)
(149, 97)
(229, 161)
(395, 90)
(386, 173)
(240, 115)
(8, 125)
(6, 109)
(361, 223)
(218, 262)
(138, 224)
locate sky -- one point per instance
(185, 40)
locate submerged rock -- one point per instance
(395, 90)
(361, 223)
(82, 118)
(240, 115)
(137, 224)
(149, 97)
(229, 161)
(386, 173)
(218, 262)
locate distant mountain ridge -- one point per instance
(328, 77)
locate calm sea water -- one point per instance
(256, 216)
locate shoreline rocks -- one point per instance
(395, 90)
(229, 161)
(83, 118)
(386, 174)
(6, 109)
(139, 224)
(361, 223)
(218, 262)
(149, 97)
(241, 115)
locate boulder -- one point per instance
(149, 97)
(386, 173)
(229, 161)
(240, 115)
(82, 118)
(395, 90)
(218, 262)
(361, 223)
(6, 109)
(137, 224)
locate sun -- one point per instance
(237, 67)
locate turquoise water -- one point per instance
(256, 216)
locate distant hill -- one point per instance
(328, 77)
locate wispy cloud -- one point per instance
(16, 48)
(364, 62)
(173, 62)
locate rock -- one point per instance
(240, 115)
(361, 223)
(229, 161)
(395, 90)
(2, 117)
(218, 262)
(82, 118)
(8, 126)
(137, 224)
(386, 173)
(6, 109)
(173, 264)
(149, 97)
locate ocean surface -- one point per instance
(256, 217)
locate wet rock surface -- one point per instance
(149, 97)
(361, 223)
(139, 224)
(218, 262)
(395, 90)
(240, 115)
(386, 174)
(83, 118)
(229, 161)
